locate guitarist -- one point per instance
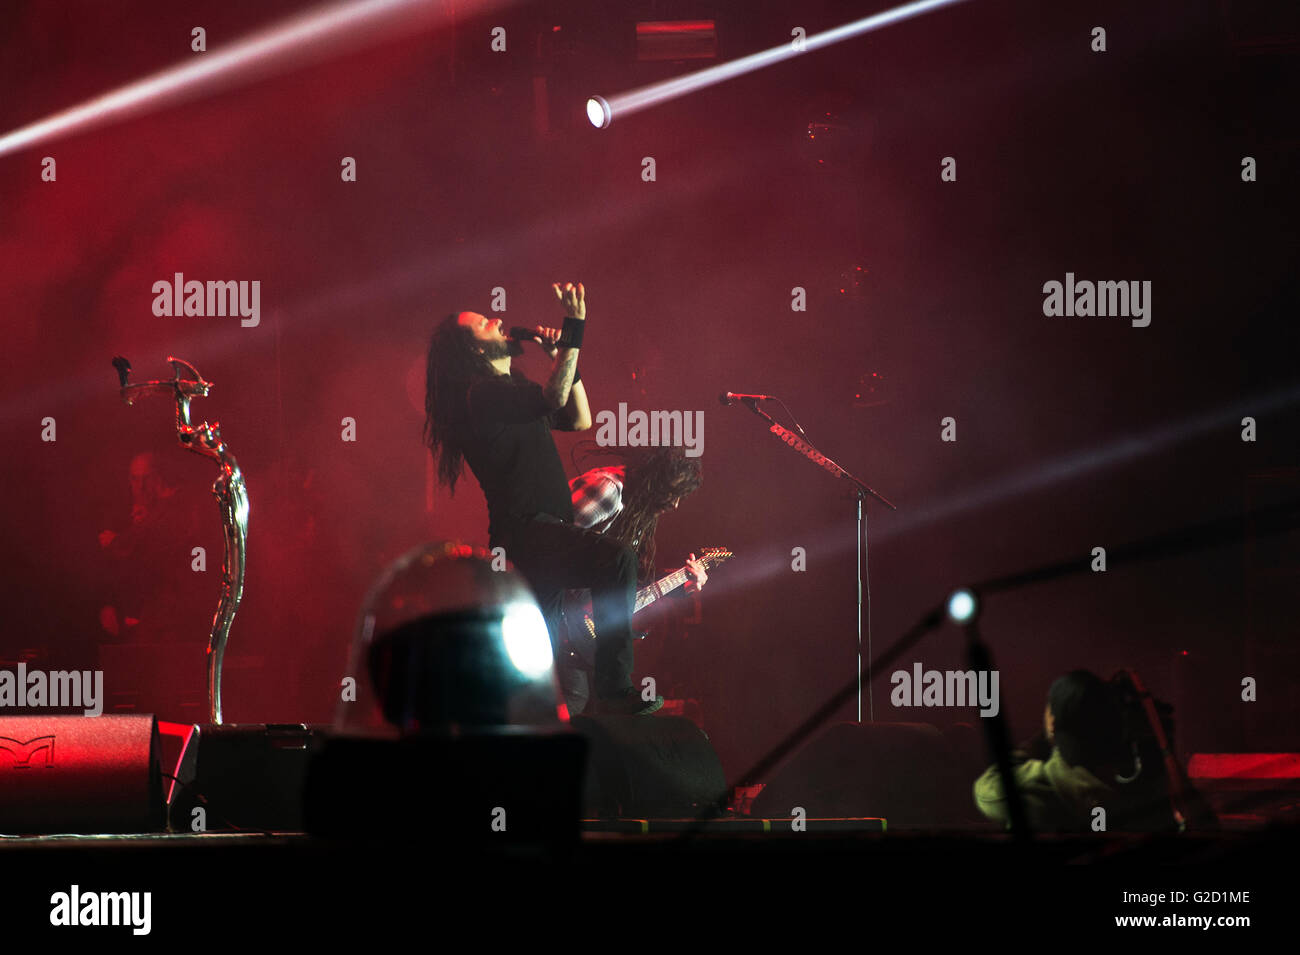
(623, 504)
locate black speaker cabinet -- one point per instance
(249, 775)
(476, 788)
(651, 766)
(83, 774)
(907, 773)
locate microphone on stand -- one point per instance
(730, 398)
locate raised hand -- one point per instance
(572, 298)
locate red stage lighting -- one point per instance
(676, 40)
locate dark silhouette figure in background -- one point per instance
(1098, 751)
(145, 558)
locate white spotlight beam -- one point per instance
(627, 103)
(307, 37)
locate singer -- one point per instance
(482, 413)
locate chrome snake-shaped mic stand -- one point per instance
(232, 499)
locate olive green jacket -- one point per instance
(1057, 796)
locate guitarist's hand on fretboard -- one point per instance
(581, 640)
(697, 574)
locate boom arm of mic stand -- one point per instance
(229, 490)
(812, 454)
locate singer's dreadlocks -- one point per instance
(453, 365)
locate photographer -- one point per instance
(1098, 748)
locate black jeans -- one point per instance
(555, 556)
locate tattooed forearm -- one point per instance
(561, 381)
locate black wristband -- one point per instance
(577, 376)
(571, 336)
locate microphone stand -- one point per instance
(861, 489)
(232, 498)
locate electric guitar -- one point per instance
(582, 638)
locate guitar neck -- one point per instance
(661, 587)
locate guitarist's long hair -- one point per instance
(453, 365)
(653, 477)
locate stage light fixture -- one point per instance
(598, 112)
(963, 605)
(446, 642)
(523, 629)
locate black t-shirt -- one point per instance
(508, 446)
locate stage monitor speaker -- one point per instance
(82, 774)
(478, 788)
(907, 773)
(649, 766)
(243, 776)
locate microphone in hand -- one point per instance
(521, 334)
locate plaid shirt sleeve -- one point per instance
(597, 499)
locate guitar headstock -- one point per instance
(711, 557)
